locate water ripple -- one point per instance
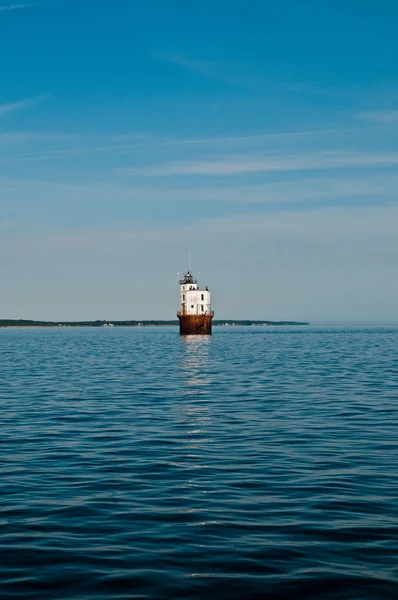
(256, 463)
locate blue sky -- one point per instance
(264, 134)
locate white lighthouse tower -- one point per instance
(194, 301)
(195, 313)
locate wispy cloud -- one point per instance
(386, 116)
(19, 104)
(139, 142)
(295, 162)
(241, 73)
(9, 7)
(79, 197)
(258, 137)
(223, 71)
(181, 61)
(126, 144)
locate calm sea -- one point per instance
(260, 462)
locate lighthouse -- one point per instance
(195, 313)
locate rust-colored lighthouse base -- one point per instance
(195, 324)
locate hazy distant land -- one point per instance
(218, 322)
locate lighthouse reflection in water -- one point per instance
(195, 383)
(195, 364)
(196, 419)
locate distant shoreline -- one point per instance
(23, 323)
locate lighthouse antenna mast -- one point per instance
(190, 258)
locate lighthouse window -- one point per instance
(183, 297)
(203, 297)
(192, 306)
(203, 308)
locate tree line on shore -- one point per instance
(31, 323)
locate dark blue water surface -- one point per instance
(260, 462)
